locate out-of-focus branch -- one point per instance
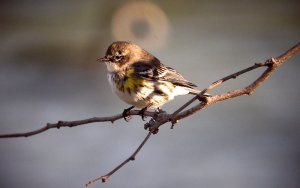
(160, 118)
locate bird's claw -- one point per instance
(142, 113)
(126, 114)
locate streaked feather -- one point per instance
(159, 72)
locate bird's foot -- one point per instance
(142, 113)
(126, 114)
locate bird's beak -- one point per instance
(103, 59)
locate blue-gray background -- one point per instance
(48, 73)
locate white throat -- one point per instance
(112, 67)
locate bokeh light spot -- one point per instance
(140, 22)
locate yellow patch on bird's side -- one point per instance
(132, 82)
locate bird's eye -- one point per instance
(118, 57)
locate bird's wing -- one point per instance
(158, 71)
(174, 77)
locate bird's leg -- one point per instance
(126, 114)
(142, 112)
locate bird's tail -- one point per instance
(195, 92)
(180, 90)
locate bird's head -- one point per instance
(120, 55)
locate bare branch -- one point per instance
(271, 64)
(160, 118)
(70, 124)
(130, 158)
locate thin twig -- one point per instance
(70, 124)
(272, 65)
(217, 83)
(130, 158)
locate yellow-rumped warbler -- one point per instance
(140, 79)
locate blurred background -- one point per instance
(48, 72)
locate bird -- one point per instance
(140, 79)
